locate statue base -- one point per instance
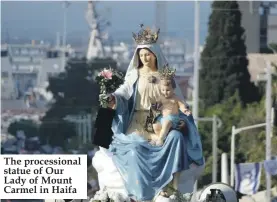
(103, 124)
(111, 180)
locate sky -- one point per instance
(41, 20)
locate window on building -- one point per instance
(4, 74)
(4, 53)
(261, 11)
(51, 74)
(263, 41)
(34, 52)
(24, 51)
(263, 31)
(273, 10)
(52, 54)
(16, 52)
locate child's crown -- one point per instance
(167, 73)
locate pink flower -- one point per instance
(107, 74)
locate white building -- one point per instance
(25, 67)
(260, 23)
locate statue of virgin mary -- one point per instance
(132, 166)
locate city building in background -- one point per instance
(28, 66)
(175, 53)
(257, 64)
(259, 19)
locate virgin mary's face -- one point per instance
(147, 58)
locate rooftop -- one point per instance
(257, 64)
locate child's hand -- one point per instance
(187, 112)
(156, 106)
(159, 105)
(159, 142)
(153, 140)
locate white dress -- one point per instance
(147, 92)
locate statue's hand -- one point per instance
(181, 126)
(107, 101)
(111, 101)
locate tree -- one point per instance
(224, 59)
(250, 144)
(255, 114)
(269, 49)
(234, 111)
(273, 47)
(56, 132)
(29, 127)
(74, 92)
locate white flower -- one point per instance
(103, 197)
(100, 195)
(173, 197)
(187, 196)
(116, 197)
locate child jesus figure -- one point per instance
(170, 106)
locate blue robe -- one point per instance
(146, 169)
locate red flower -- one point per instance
(107, 74)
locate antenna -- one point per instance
(161, 18)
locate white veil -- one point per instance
(132, 71)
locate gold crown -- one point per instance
(146, 36)
(167, 73)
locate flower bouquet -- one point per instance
(109, 80)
